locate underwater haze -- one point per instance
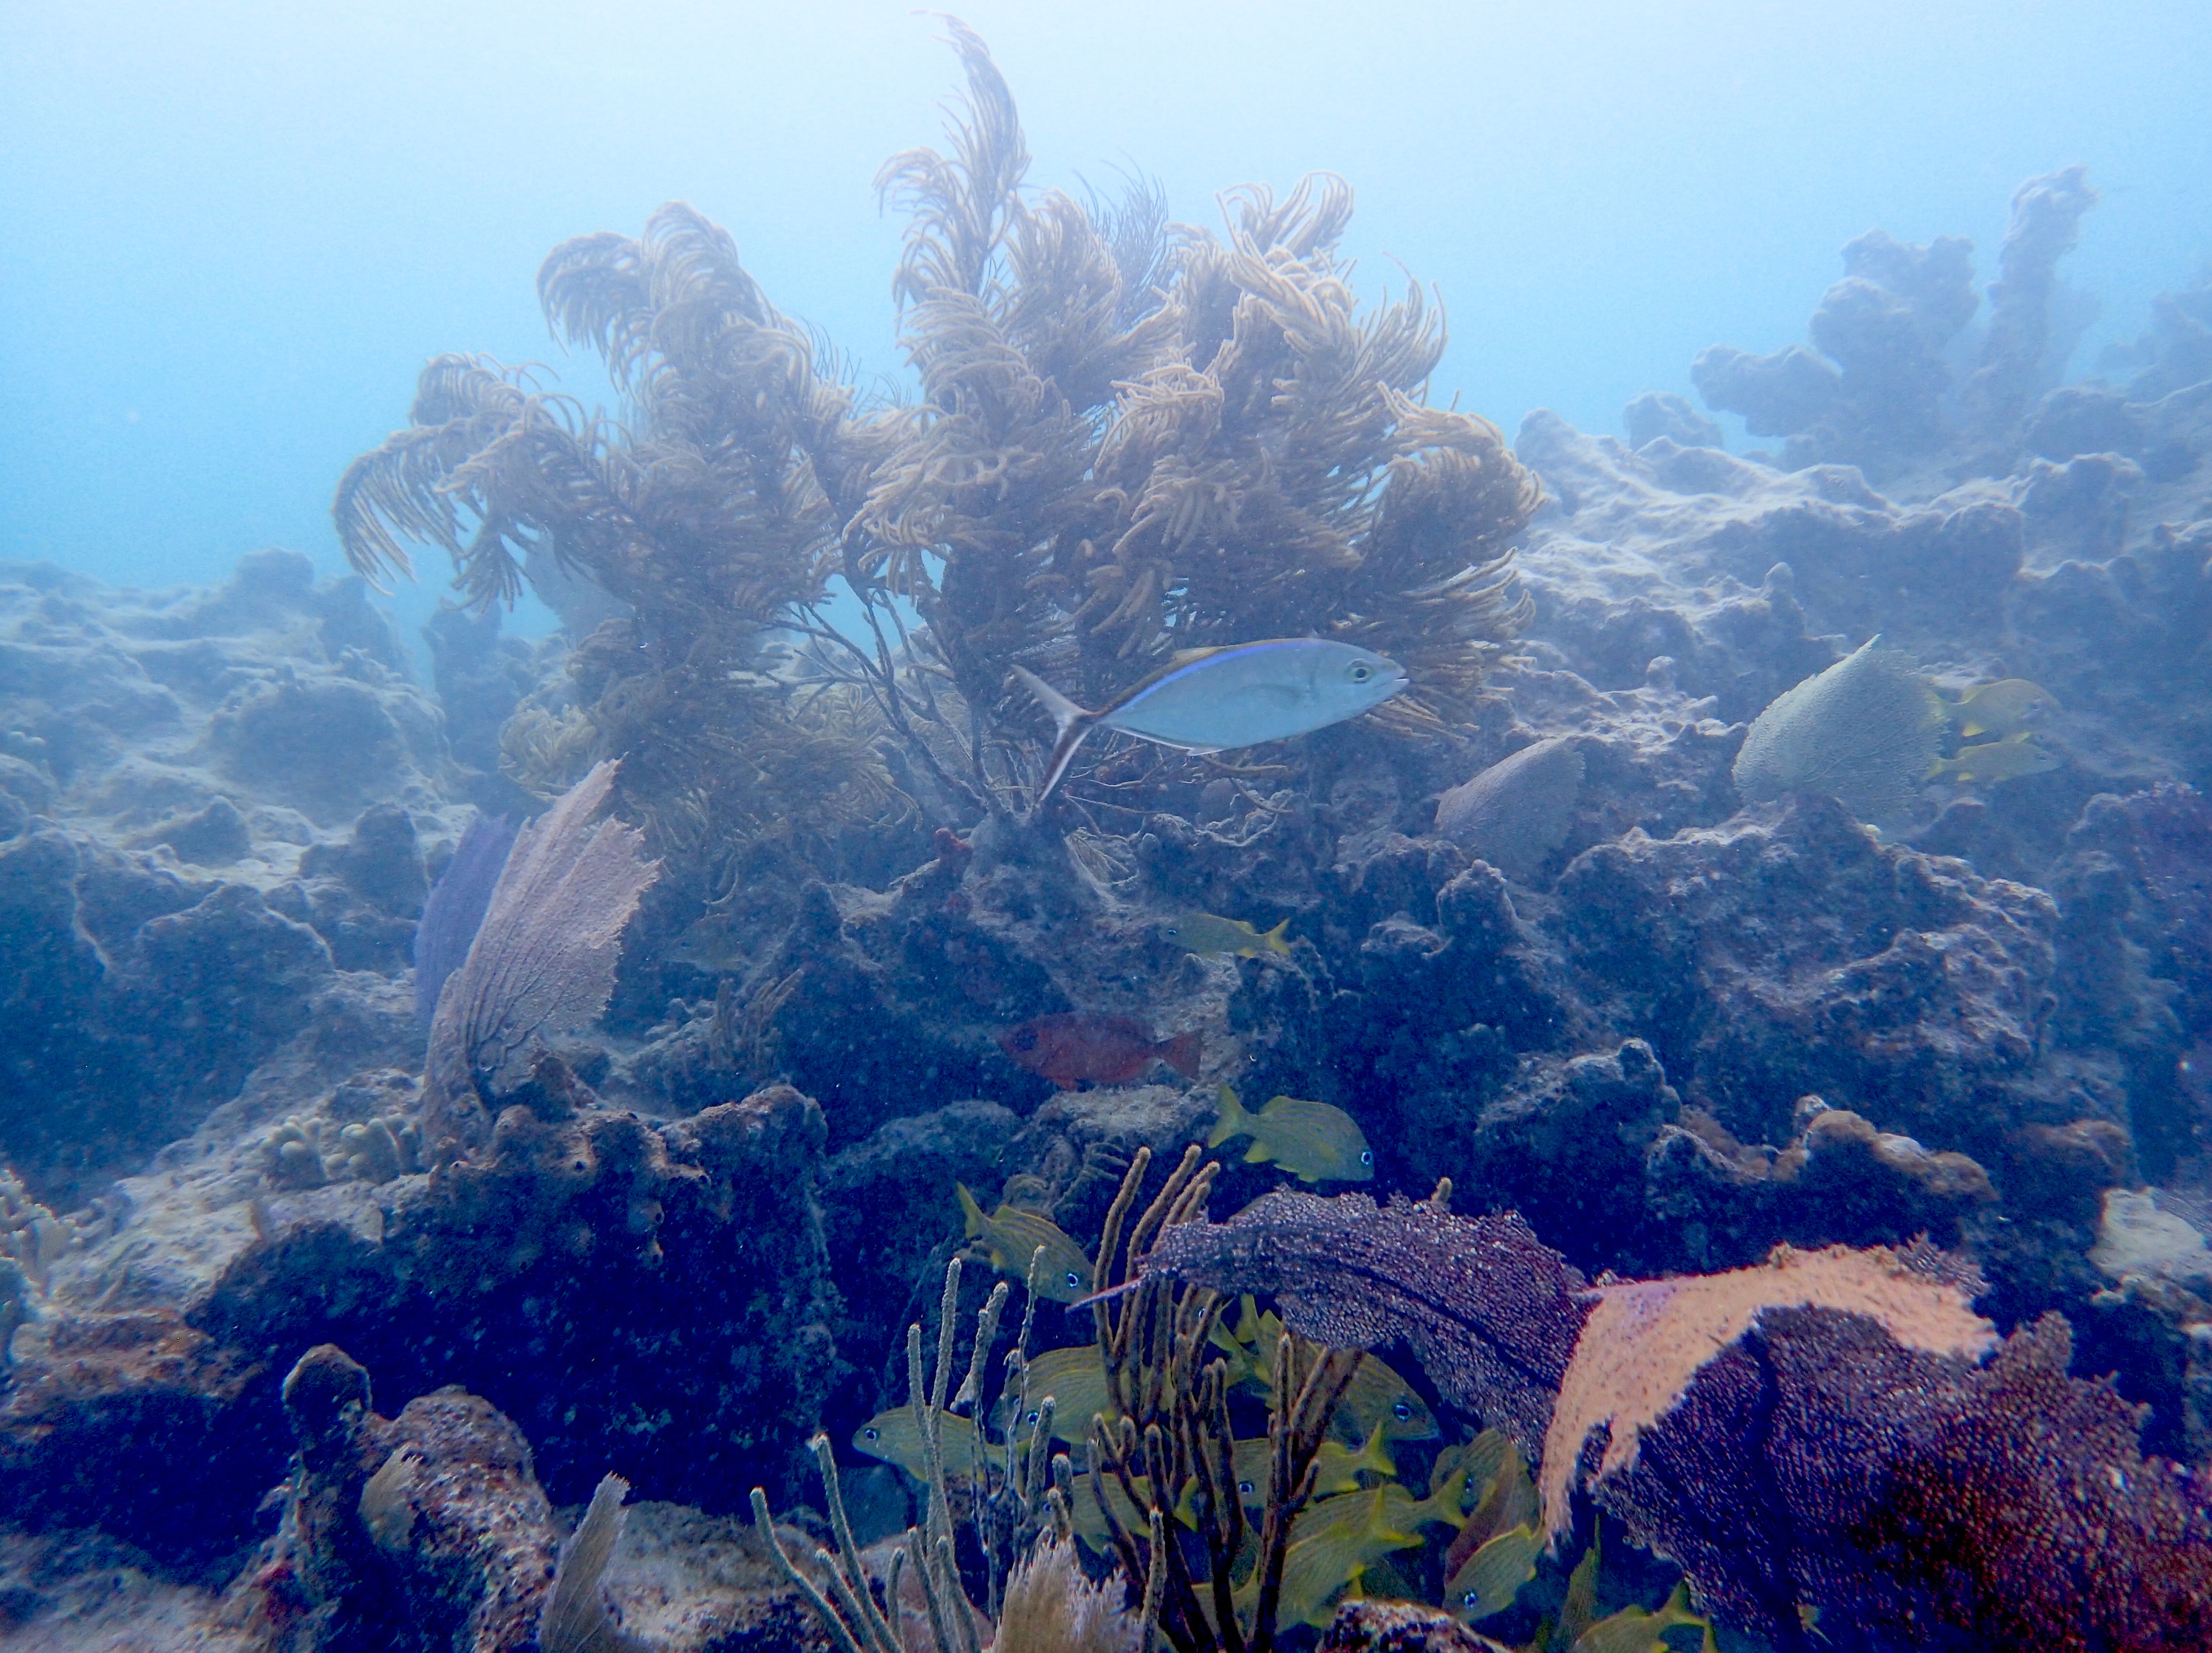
(1231, 828)
(230, 231)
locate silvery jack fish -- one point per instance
(1213, 699)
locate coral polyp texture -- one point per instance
(1758, 974)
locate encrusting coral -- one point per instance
(1132, 439)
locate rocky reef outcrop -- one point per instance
(1670, 1026)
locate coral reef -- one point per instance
(1551, 935)
(1815, 1433)
(1881, 393)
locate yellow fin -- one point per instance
(1234, 1121)
(978, 1226)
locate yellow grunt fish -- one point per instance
(1377, 1396)
(1011, 1237)
(1217, 938)
(1992, 761)
(2011, 705)
(1076, 1380)
(1214, 700)
(1312, 1140)
(896, 1438)
(1340, 1465)
(1333, 1542)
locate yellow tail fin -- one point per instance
(1274, 940)
(1235, 1122)
(978, 1224)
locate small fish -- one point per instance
(1992, 761)
(1340, 1466)
(1312, 1140)
(896, 1438)
(1491, 1468)
(1072, 1047)
(1487, 1581)
(1011, 1237)
(1376, 1395)
(1217, 938)
(1333, 1543)
(1635, 1629)
(1090, 1521)
(715, 943)
(1076, 1380)
(2011, 705)
(1214, 700)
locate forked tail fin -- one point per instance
(1070, 722)
(1234, 1121)
(978, 1224)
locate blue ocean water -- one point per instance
(230, 234)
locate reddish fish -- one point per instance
(1105, 1049)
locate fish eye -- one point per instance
(1361, 671)
(1032, 1417)
(1401, 1411)
(873, 1434)
(1470, 1598)
(1245, 1487)
(1367, 1156)
(1072, 1279)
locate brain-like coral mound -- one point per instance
(1865, 732)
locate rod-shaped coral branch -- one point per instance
(1170, 1449)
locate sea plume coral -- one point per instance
(543, 960)
(1133, 438)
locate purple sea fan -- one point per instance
(543, 960)
(1490, 1312)
(456, 906)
